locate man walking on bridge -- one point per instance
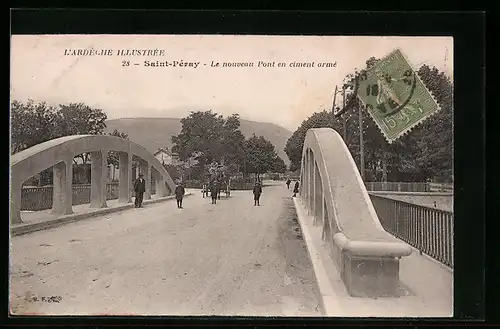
(139, 189)
(257, 191)
(288, 181)
(214, 192)
(179, 194)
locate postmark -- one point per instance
(394, 96)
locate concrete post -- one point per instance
(303, 180)
(147, 178)
(308, 161)
(15, 200)
(130, 177)
(313, 186)
(318, 195)
(98, 176)
(161, 190)
(125, 177)
(306, 181)
(62, 199)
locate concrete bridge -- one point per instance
(59, 154)
(335, 250)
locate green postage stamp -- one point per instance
(394, 96)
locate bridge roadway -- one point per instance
(226, 259)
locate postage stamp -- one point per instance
(394, 96)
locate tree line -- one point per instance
(208, 137)
(33, 123)
(205, 137)
(426, 152)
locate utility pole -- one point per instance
(361, 146)
(334, 100)
(344, 119)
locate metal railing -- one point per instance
(428, 229)
(40, 198)
(408, 187)
(437, 187)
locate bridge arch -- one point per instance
(334, 194)
(59, 153)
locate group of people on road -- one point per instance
(140, 189)
(214, 191)
(257, 190)
(213, 188)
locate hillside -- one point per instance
(153, 133)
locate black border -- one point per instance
(468, 30)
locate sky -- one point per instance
(286, 96)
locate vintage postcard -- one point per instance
(233, 175)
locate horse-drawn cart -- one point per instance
(217, 174)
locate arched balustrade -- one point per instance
(59, 153)
(333, 192)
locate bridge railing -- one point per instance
(59, 154)
(36, 198)
(429, 230)
(408, 187)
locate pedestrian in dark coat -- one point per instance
(214, 192)
(139, 189)
(257, 191)
(179, 194)
(288, 181)
(295, 189)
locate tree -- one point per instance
(207, 137)
(233, 143)
(113, 157)
(279, 165)
(201, 132)
(80, 119)
(32, 123)
(174, 171)
(260, 155)
(426, 152)
(295, 143)
(435, 140)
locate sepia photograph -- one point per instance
(231, 175)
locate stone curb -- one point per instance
(329, 304)
(72, 218)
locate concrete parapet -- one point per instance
(98, 176)
(333, 193)
(62, 200)
(58, 153)
(125, 178)
(15, 199)
(368, 268)
(425, 285)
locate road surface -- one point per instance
(227, 259)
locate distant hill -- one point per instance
(153, 133)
